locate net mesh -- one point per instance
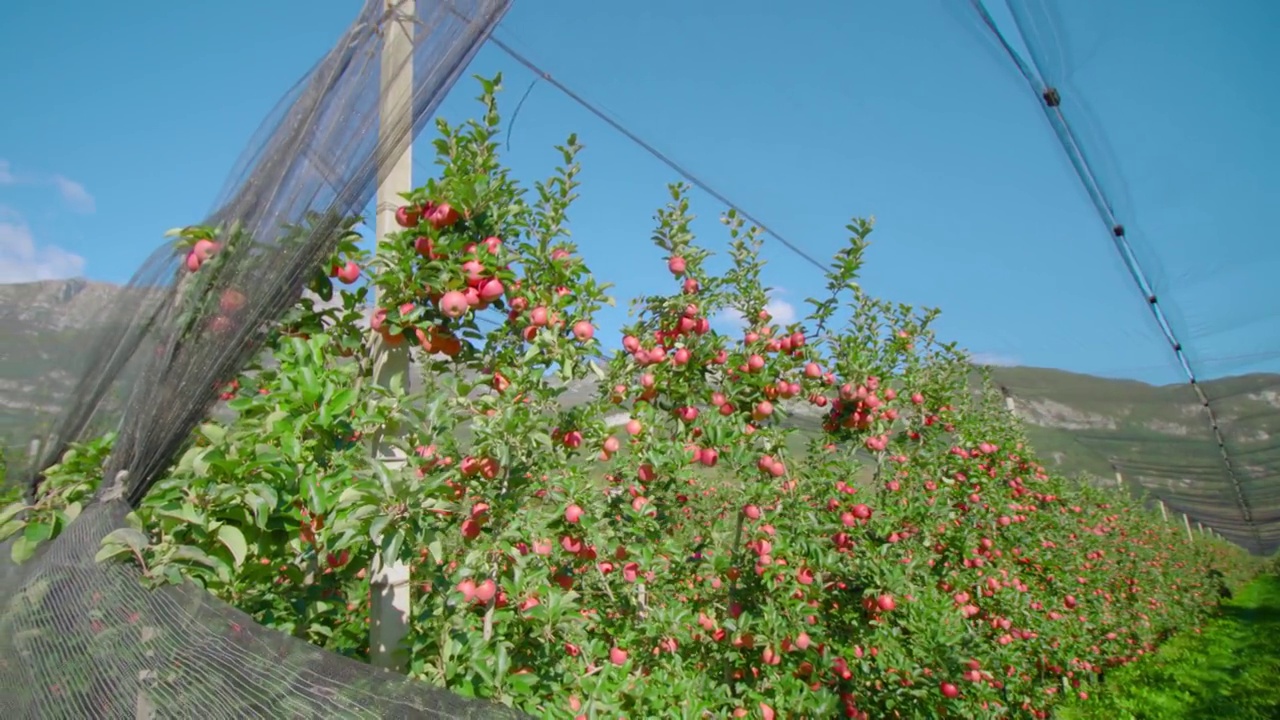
(1221, 468)
(83, 638)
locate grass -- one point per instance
(1231, 671)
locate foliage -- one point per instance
(68, 487)
(10, 492)
(914, 561)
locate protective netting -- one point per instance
(86, 639)
(83, 638)
(1226, 471)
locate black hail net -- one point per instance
(86, 639)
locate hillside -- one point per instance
(1078, 423)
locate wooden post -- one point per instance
(390, 583)
(1010, 405)
(1119, 480)
(1164, 511)
(1186, 520)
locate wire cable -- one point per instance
(1071, 145)
(655, 152)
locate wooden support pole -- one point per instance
(1186, 520)
(390, 583)
(1164, 511)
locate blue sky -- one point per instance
(122, 120)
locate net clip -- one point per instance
(118, 485)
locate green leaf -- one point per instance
(215, 433)
(187, 462)
(350, 496)
(377, 526)
(11, 511)
(200, 464)
(235, 542)
(22, 550)
(8, 529)
(186, 513)
(391, 550)
(121, 541)
(196, 555)
(38, 532)
(346, 522)
(343, 401)
(260, 508)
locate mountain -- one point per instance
(1158, 435)
(45, 328)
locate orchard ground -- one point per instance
(908, 558)
(1227, 670)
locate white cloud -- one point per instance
(994, 359)
(74, 193)
(783, 313)
(22, 260)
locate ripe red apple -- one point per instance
(676, 265)
(539, 316)
(205, 249)
(490, 289)
(471, 528)
(349, 273)
(474, 270)
(442, 216)
(408, 216)
(573, 514)
(584, 330)
(485, 591)
(232, 300)
(454, 304)
(617, 656)
(762, 410)
(468, 589)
